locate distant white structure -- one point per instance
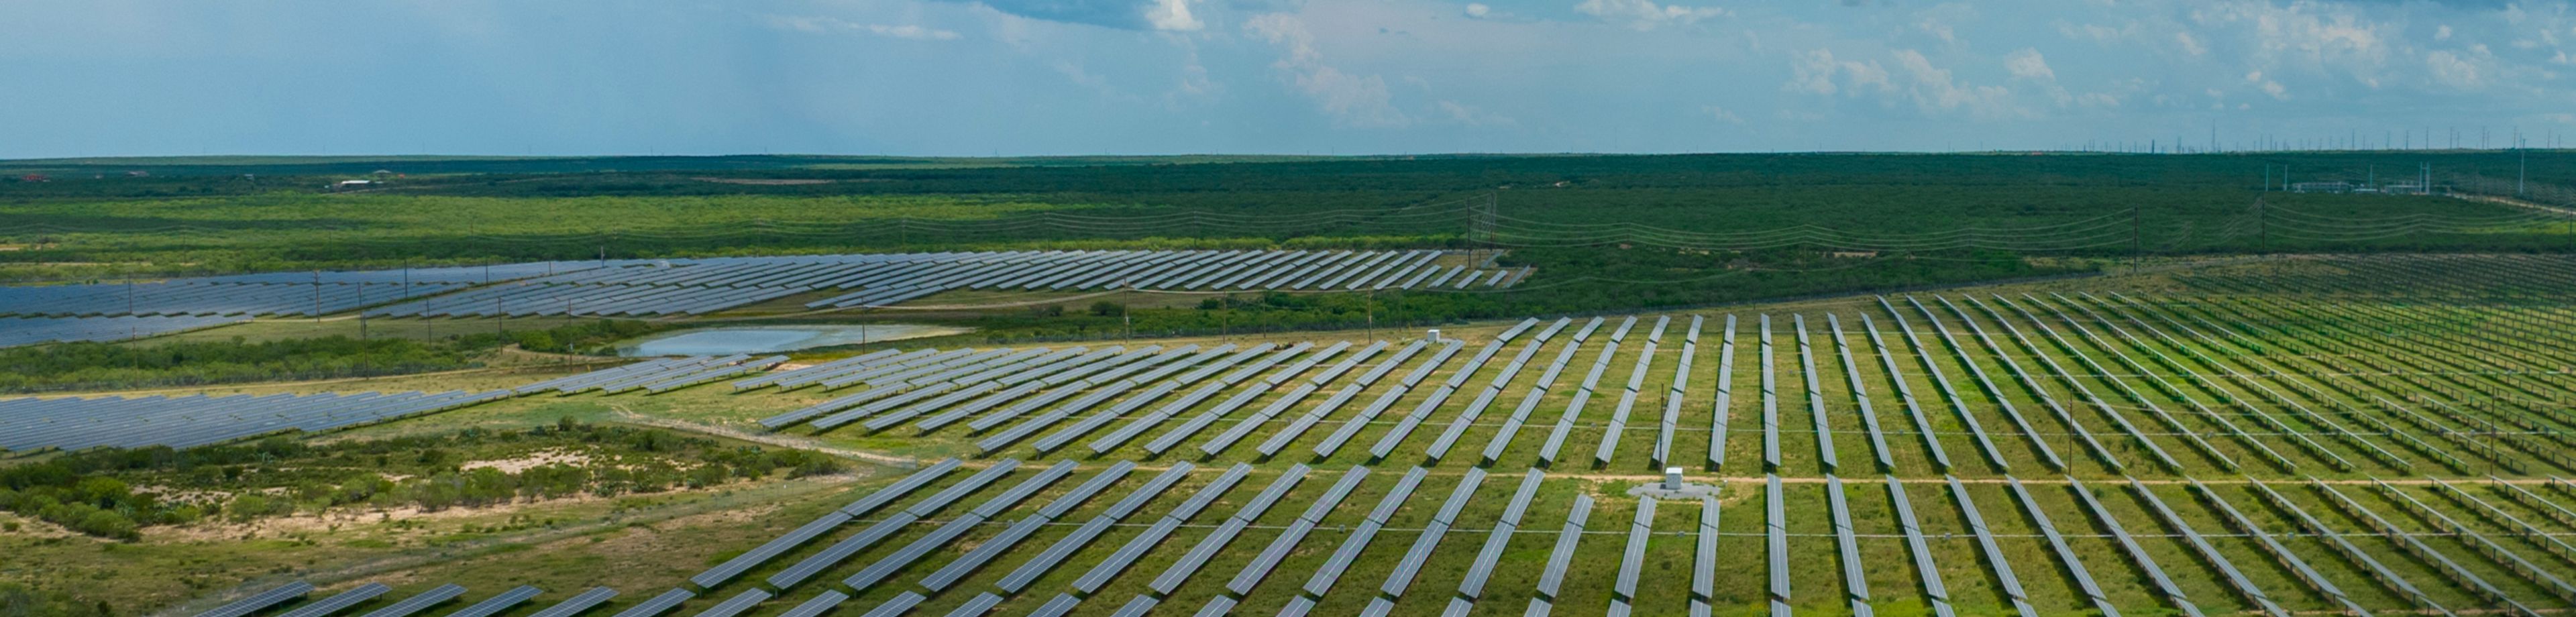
(351, 184)
(1672, 478)
(1435, 335)
(2321, 187)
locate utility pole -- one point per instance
(2262, 230)
(2137, 249)
(1371, 301)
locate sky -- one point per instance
(1063, 77)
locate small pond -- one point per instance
(773, 339)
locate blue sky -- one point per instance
(1028, 77)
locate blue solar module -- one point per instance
(1566, 540)
(818, 605)
(736, 605)
(261, 600)
(578, 604)
(421, 602)
(659, 604)
(495, 604)
(898, 605)
(339, 602)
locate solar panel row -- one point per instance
(75, 423)
(697, 286)
(1855, 576)
(1815, 398)
(1925, 570)
(1724, 405)
(1994, 553)
(1628, 398)
(2047, 456)
(15, 331)
(1673, 396)
(1583, 394)
(2208, 552)
(2084, 583)
(2304, 572)
(1905, 394)
(198, 298)
(1860, 396)
(2129, 545)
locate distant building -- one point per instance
(351, 184)
(138, 174)
(2321, 187)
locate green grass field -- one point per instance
(2083, 318)
(2320, 337)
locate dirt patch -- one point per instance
(557, 456)
(764, 181)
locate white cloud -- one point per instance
(1351, 100)
(1645, 14)
(1471, 116)
(1812, 72)
(2027, 64)
(1932, 88)
(2189, 45)
(2451, 70)
(1478, 9)
(1172, 15)
(834, 24)
(1721, 114)
(2270, 87)
(2442, 33)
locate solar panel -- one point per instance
(2056, 541)
(977, 605)
(738, 604)
(1855, 578)
(417, 603)
(1725, 399)
(578, 604)
(983, 552)
(972, 483)
(905, 486)
(898, 605)
(1905, 394)
(1025, 489)
(1058, 607)
(1566, 540)
(769, 550)
(1770, 402)
(1776, 546)
(838, 551)
(2047, 455)
(2137, 554)
(1218, 606)
(339, 602)
(1927, 572)
(659, 604)
(2208, 552)
(495, 604)
(1635, 556)
(1136, 607)
(1324, 577)
(1225, 532)
(1297, 607)
(2274, 548)
(818, 605)
(1704, 557)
